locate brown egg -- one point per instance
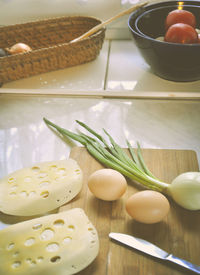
(147, 206)
(107, 184)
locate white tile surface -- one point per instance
(89, 76)
(24, 138)
(128, 71)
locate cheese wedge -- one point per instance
(58, 244)
(40, 188)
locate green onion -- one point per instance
(113, 156)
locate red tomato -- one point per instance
(181, 33)
(180, 16)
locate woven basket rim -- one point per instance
(49, 19)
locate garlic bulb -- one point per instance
(18, 48)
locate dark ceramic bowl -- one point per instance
(171, 61)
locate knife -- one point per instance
(153, 250)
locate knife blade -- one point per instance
(152, 250)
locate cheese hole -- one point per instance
(37, 226)
(55, 259)
(67, 240)
(61, 171)
(52, 247)
(28, 260)
(27, 179)
(35, 169)
(62, 177)
(92, 243)
(12, 194)
(29, 241)
(44, 183)
(71, 227)
(58, 223)
(14, 187)
(44, 194)
(16, 264)
(47, 234)
(77, 171)
(32, 193)
(40, 259)
(10, 246)
(11, 180)
(24, 194)
(58, 179)
(33, 263)
(53, 168)
(42, 175)
(16, 254)
(90, 229)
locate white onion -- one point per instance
(185, 190)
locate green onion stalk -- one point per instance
(185, 189)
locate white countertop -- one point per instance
(118, 69)
(142, 107)
(25, 138)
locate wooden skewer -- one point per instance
(103, 24)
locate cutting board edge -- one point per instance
(153, 149)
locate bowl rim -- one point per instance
(155, 7)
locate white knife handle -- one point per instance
(183, 263)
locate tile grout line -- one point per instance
(107, 66)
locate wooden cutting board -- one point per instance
(178, 233)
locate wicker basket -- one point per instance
(51, 50)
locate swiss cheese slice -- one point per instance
(57, 244)
(40, 188)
